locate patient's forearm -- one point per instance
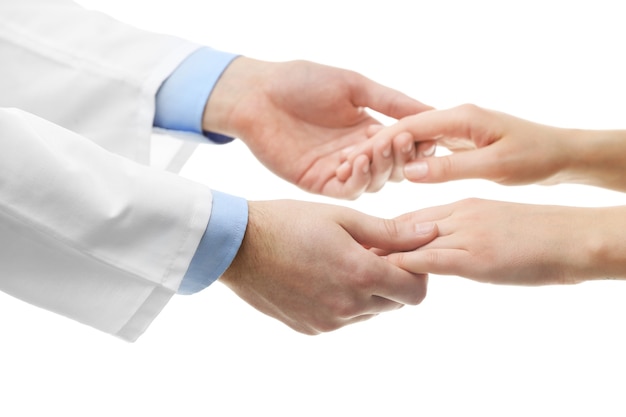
(598, 158)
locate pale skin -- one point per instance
(505, 149)
(519, 244)
(299, 117)
(306, 264)
(507, 243)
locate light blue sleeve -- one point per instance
(180, 104)
(182, 97)
(220, 243)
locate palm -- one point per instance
(303, 115)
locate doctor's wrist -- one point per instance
(225, 112)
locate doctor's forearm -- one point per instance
(111, 239)
(85, 71)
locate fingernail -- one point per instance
(430, 151)
(416, 170)
(408, 148)
(424, 228)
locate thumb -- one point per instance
(390, 235)
(386, 100)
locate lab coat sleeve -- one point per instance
(85, 71)
(89, 234)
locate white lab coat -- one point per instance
(87, 229)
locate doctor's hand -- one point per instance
(519, 244)
(297, 117)
(308, 265)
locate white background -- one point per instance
(469, 349)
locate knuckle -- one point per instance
(400, 259)
(327, 324)
(391, 228)
(363, 282)
(418, 294)
(334, 313)
(432, 259)
(446, 167)
(345, 309)
(327, 327)
(469, 110)
(470, 202)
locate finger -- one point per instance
(426, 149)
(433, 261)
(402, 286)
(355, 183)
(381, 277)
(370, 131)
(374, 305)
(364, 317)
(381, 166)
(479, 163)
(343, 155)
(373, 129)
(456, 122)
(362, 310)
(364, 148)
(441, 125)
(367, 307)
(387, 101)
(387, 234)
(376, 151)
(344, 171)
(426, 215)
(359, 319)
(404, 150)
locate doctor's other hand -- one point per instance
(309, 266)
(508, 150)
(297, 117)
(519, 244)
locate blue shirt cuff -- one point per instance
(182, 98)
(220, 243)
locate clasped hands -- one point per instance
(508, 243)
(319, 267)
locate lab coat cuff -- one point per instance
(219, 244)
(182, 98)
